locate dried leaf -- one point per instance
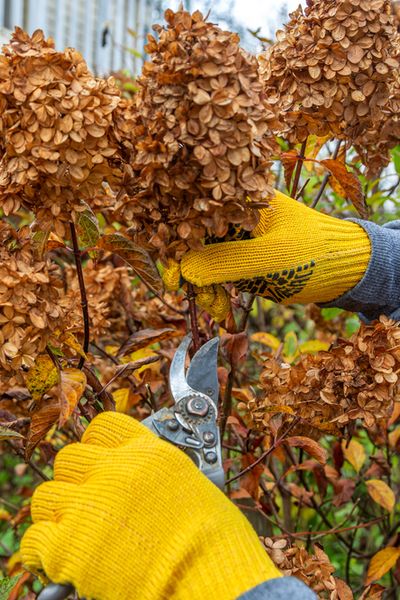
(42, 421)
(343, 590)
(39, 243)
(381, 563)
(310, 446)
(145, 337)
(87, 227)
(289, 161)
(134, 365)
(354, 453)
(138, 258)
(381, 493)
(41, 377)
(71, 387)
(349, 182)
(6, 433)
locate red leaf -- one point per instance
(310, 446)
(349, 182)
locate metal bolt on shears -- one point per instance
(190, 424)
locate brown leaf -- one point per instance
(140, 260)
(350, 184)
(87, 226)
(373, 592)
(310, 446)
(381, 563)
(6, 433)
(344, 490)
(135, 364)
(289, 161)
(145, 337)
(42, 421)
(343, 590)
(381, 493)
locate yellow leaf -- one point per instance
(14, 563)
(266, 339)
(354, 453)
(381, 493)
(121, 399)
(314, 145)
(70, 340)
(71, 387)
(381, 563)
(290, 347)
(4, 515)
(279, 408)
(41, 377)
(394, 437)
(313, 346)
(111, 350)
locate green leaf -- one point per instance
(88, 227)
(138, 258)
(6, 586)
(135, 52)
(396, 158)
(331, 313)
(352, 325)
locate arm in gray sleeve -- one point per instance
(378, 292)
(283, 588)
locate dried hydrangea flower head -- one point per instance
(357, 379)
(202, 142)
(57, 123)
(315, 570)
(34, 309)
(331, 71)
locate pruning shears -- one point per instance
(190, 424)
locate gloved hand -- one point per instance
(296, 255)
(130, 516)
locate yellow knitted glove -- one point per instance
(296, 255)
(213, 298)
(130, 516)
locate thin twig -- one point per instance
(326, 178)
(28, 462)
(264, 455)
(299, 166)
(191, 296)
(97, 386)
(82, 289)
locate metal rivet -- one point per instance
(209, 437)
(211, 457)
(173, 424)
(197, 406)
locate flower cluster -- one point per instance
(34, 309)
(333, 72)
(201, 139)
(356, 379)
(315, 570)
(58, 142)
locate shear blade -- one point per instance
(202, 374)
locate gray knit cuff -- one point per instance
(283, 588)
(378, 292)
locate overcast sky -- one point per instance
(254, 13)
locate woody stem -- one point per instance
(82, 289)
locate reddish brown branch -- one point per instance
(191, 296)
(82, 289)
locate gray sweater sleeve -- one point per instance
(378, 292)
(283, 588)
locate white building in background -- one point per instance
(97, 28)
